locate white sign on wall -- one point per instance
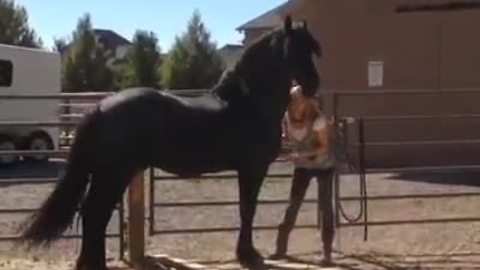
(375, 73)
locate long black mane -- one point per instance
(237, 80)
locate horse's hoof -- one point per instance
(251, 259)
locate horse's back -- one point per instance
(160, 128)
(207, 103)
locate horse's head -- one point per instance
(300, 47)
(270, 64)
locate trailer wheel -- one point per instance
(7, 143)
(35, 142)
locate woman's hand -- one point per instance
(301, 156)
(297, 157)
(293, 156)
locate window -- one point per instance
(451, 6)
(6, 73)
(375, 73)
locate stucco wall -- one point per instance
(419, 51)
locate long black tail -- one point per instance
(57, 212)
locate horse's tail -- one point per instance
(57, 212)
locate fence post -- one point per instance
(121, 229)
(362, 156)
(151, 202)
(136, 218)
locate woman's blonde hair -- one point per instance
(313, 104)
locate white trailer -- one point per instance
(25, 71)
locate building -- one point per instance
(111, 41)
(394, 49)
(230, 54)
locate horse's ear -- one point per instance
(288, 24)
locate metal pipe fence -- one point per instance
(345, 165)
(362, 143)
(358, 167)
(153, 204)
(66, 121)
(60, 152)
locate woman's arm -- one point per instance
(323, 145)
(323, 140)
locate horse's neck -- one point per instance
(258, 85)
(264, 110)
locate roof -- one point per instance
(110, 39)
(271, 18)
(231, 47)
(26, 49)
(230, 54)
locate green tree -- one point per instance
(85, 64)
(14, 28)
(142, 62)
(193, 62)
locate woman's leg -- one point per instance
(300, 182)
(325, 183)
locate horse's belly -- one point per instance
(194, 157)
(191, 168)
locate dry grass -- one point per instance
(432, 246)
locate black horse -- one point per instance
(236, 126)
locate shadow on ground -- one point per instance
(453, 177)
(385, 261)
(30, 171)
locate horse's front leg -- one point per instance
(250, 181)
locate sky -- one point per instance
(167, 18)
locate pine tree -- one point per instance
(14, 28)
(85, 66)
(143, 61)
(193, 62)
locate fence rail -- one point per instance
(60, 152)
(361, 143)
(65, 121)
(342, 126)
(153, 204)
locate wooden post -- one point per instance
(136, 218)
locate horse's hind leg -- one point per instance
(105, 192)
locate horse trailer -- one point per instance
(27, 72)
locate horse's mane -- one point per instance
(232, 83)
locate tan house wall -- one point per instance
(253, 34)
(420, 51)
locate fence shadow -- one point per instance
(30, 171)
(386, 261)
(450, 261)
(451, 177)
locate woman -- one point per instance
(307, 131)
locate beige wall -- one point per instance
(420, 51)
(426, 103)
(252, 34)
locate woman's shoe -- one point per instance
(325, 262)
(278, 256)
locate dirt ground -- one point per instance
(419, 246)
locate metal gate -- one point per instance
(353, 159)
